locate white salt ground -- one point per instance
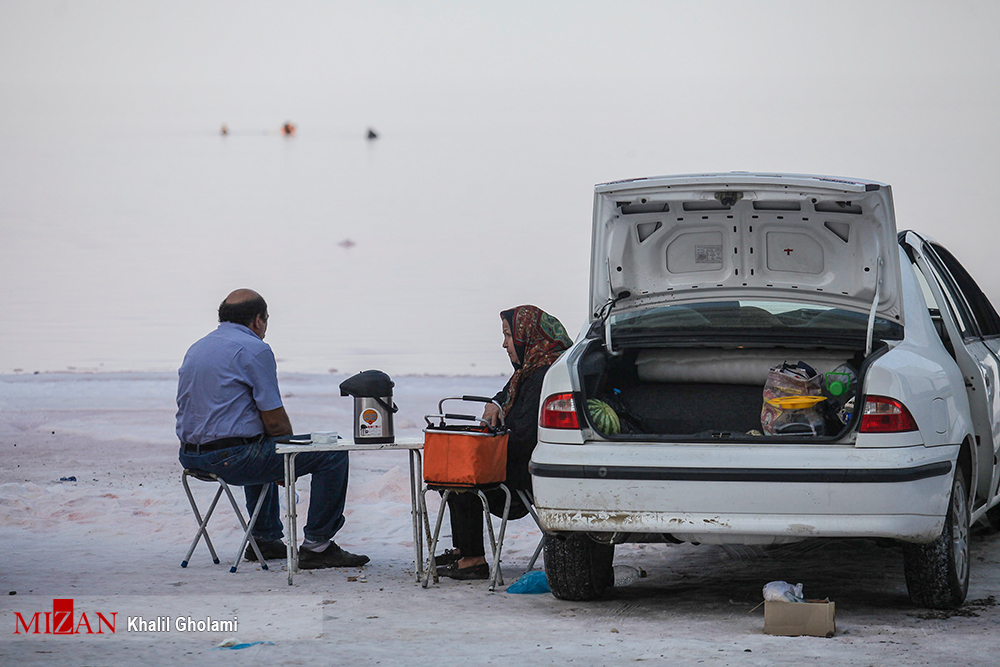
(113, 541)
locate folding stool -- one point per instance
(495, 542)
(203, 522)
(529, 502)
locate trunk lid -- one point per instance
(715, 237)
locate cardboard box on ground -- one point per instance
(814, 618)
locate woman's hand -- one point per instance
(492, 414)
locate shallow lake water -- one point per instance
(126, 217)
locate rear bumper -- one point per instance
(734, 493)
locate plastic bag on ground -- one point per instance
(530, 582)
(626, 575)
(233, 644)
(782, 591)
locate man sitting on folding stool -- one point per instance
(229, 411)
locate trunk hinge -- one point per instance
(607, 339)
(871, 314)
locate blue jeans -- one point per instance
(254, 465)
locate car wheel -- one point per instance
(937, 574)
(577, 567)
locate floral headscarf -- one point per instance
(539, 339)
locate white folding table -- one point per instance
(411, 445)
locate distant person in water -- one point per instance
(288, 129)
(533, 340)
(225, 130)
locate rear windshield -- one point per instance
(748, 321)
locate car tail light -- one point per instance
(886, 415)
(559, 411)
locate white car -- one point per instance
(700, 285)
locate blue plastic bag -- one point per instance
(530, 582)
(237, 647)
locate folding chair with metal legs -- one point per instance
(203, 522)
(496, 542)
(529, 502)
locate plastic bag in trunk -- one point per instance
(787, 380)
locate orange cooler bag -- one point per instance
(464, 455)
(458, 456)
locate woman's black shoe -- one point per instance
(453, 571)
(448, 557)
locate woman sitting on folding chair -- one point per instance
(533, 340)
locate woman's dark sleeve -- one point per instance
(522, 420)
(501, 396)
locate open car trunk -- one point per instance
(700, 284)
(703, 393)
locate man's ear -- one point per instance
(257, 326)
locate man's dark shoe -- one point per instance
(269, 549)
(448, 557)
(453, 571)
(332, 556)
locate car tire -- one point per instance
(577, 567)
(937, 574)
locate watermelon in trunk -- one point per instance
(603, 417)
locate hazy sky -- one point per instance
(714, 44)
